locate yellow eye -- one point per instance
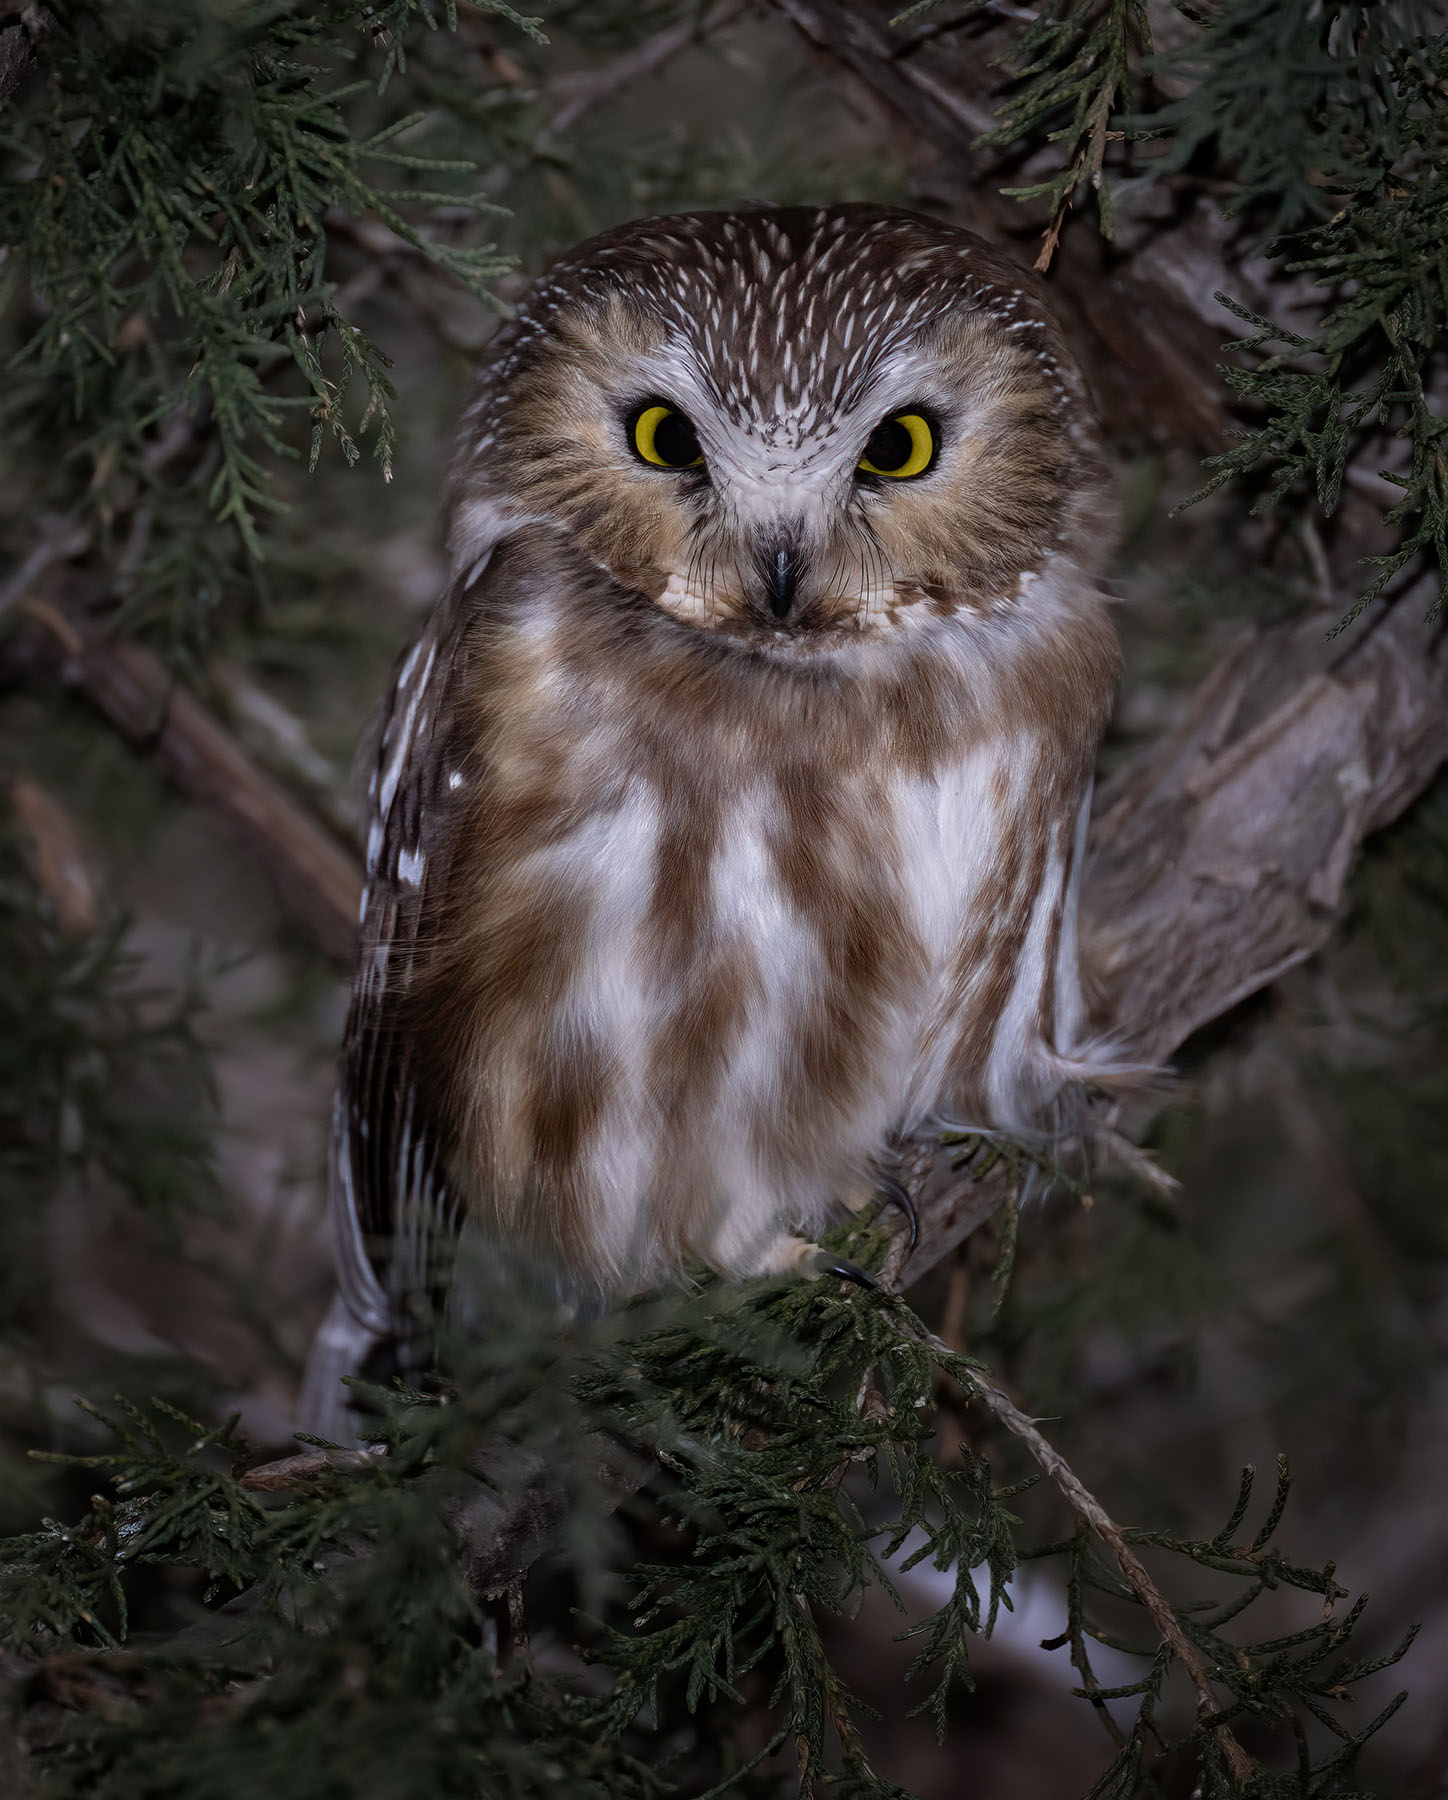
(664, 437)
(900, 447)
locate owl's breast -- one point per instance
(706, 964)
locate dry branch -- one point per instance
(1220, 858)
(318, 882)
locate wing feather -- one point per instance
(395, 1214)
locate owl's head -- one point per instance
(791, 426)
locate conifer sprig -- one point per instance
(1362, 119)
(173, 182)
(1072, 70)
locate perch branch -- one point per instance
(1220, 857)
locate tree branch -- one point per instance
(1220, 857)
(318, 882)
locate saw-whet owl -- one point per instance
(728, 814)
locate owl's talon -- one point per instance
(848, 1271)
(897, 1196)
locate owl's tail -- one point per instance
(341, 1348)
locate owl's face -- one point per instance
(791, 428)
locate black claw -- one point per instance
(896, 1196)
(848, 1271)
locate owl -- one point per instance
(727, 817)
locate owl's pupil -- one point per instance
(675, 442)
(890, 445)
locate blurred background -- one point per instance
(169, 1014)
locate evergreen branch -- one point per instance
(742, 1397)
(1075, 63)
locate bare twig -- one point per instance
(290, 1471)
(283, 743)
(61, 538)
(583, 92)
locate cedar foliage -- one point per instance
(172, 232)
(362, 1662)
(183, 179)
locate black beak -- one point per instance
(782, 566)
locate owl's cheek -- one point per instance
(640, 534)
(973, 541)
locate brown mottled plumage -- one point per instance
(728, 813)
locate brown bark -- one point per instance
(1220, 858)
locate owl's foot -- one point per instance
(876, 1186)
(798, 1256)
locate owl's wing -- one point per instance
(395, 1217)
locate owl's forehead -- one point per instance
(787, 317)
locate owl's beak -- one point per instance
(781, 564)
